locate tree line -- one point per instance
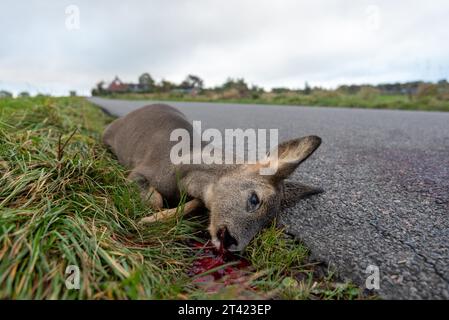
(194, 85)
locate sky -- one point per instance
(57, 46)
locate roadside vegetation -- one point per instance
(64, 200)
(416, 95)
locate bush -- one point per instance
(426, 90)
(367, 92)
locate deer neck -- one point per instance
(198, 180)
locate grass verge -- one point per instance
(64, 201)
(319, 98)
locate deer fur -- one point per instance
(141, 142)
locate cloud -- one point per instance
(283, 43)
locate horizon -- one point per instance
(37, 93)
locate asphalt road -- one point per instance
(386, 180)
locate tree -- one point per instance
(192, 82)
(5, 94)
(238, 84)
(256, 91)
(280, 90)
(307, 89)
(24, 94)
(99, 89)
(146, 82)
(166, 86)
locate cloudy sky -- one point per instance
(56, 46)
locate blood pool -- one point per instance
(210, 258)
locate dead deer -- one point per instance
(240, 201)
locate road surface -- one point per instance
(386, 180)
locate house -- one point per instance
(137, 87)
(117, 86)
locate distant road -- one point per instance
(386, 177)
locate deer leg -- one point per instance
(148, 194)
(154, 198)
(169, 213)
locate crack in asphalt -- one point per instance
(425, 259)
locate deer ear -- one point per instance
(291, 153)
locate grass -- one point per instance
(64, 200)
(325, 98)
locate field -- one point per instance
(363, 99)
(64, 200)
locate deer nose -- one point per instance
(226, 239)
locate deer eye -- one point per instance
(253, 202)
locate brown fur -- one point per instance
(141, 142)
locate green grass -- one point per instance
(64, 200)
(316, 98)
